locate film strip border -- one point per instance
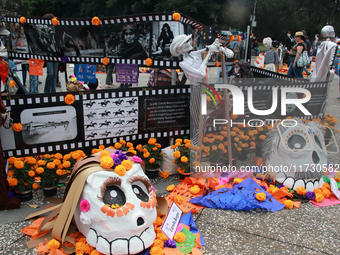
(112, 20)
(99, 60)
(32, 99)
(271, 74)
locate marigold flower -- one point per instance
(178, 200)
(12, 182)
(127, 164)
(148, 62)
(18, 164)
(170, 187)
(195, 189)
(319, 197)
(164, 174)
(120, 170)
(96, 21)
(154, 148)
(176, 16)
(262, 137)
(129, 145)
(66, 164)
(180, 237)
(139, 147)
(152, 141)
(55, 21)
(40, 170)
(289, 204)
(106, 162)
(184, 159)
(326, 192)
(57, 162)
(50, 165)
(67, 157)
(104, 153)
(106, 61)
(17, 127)
(161, 236)
(58, 156)
(158, 243)
(187, 145)
(196, 148)
(146, 155)
(301, 191)
(152, 160)
(69, 99)
(260, 196)
(22, 20)
(31, 161)
(327, 186)
(53, 244)
(176, 154)
(35, 185)
(11, 160)
(31, 173)
(156, 251)
(118, 145)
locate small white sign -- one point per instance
(334, 188)
(171, 221)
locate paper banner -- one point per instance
(36, 67)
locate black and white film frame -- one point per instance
(34, 99)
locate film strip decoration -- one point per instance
(269, 74)
(50, 125)
(166, 16)
(97, 58)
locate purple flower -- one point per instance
(64, 59)
(280, 186)
(310, 195)
(170, 243)
(259, 178)
(117, 161)
(121, 155)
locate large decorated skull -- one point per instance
(297, 154)
(116, 212)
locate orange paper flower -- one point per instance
(217, 64)
(164, 174)
(17, 127)
(170, 187)
(176, 16)
(261, 196)
(55, 21)
(22, 20)
(148, 61)
(96, 21)
(105, 61)
(180, 237)
(69, 99)
(288, 204)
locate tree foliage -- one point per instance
(274, 17)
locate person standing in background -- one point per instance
(309, 46)
(52, 70)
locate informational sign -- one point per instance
(36, 67)
(127, 73)
(171, 221)
(334, 188)
(86, 73)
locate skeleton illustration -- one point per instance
(298, 154)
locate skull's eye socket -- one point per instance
(114, 196)
(296, 142)
(140, 193)
(317, 141)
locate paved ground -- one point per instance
(308, 230)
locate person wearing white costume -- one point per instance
(325, 56)
(195, 70)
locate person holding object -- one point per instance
(52, 70)
(294, 54)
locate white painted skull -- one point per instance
(128, 229)
(297, 155)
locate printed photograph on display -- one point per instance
(41, 39)
(162, 35)
(130, 41)
(49, 124)
(84, 41)
(18, 38)
(105, 118)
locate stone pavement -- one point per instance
(308, 230)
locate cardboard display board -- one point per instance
(95, 117)
(126, 40)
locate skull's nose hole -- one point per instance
(315, 157)
(140, 221)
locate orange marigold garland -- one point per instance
(106, 61)
(148, 61)
(69, 99)
(22, 20)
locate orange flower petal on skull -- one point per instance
(125, 210)
(111, 212)
(119, 212)
(130, 206)
(105, 208)
(142, 204)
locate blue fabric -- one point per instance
(51, 77)
(294, 72)
(188, 220)
(242, 197)
(34, 83)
